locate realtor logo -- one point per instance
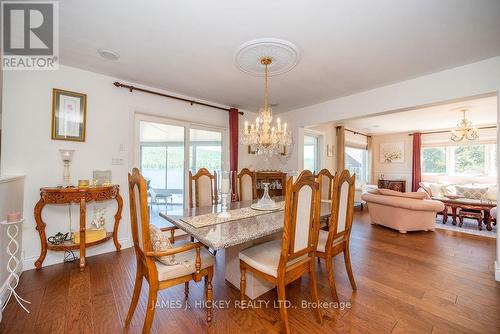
(30, 39)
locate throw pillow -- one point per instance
(472, 192)
(160, 242)
(492, 192)
(450, 189)
(436, 189)
(425, 186)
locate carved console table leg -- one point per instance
(40, 226)
(118, 216)
(82, 232)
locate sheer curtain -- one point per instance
(340, 148)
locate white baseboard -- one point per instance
(58, 257)
(497, 271)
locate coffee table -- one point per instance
(468, 204)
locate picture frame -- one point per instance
(69, 115)
(330, 150)
(392, 152)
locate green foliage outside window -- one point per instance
(469, 159)
(434, 160)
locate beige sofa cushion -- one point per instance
(186, 264)
(265, 257)
(414, 195)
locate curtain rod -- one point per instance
(132, 88)
(448, 131)
(356, 132)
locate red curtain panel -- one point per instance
(233, 144)
(416, 166)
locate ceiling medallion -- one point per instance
(264, 137)
(284, 54)
(464, 129)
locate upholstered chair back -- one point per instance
(139, 213)
(246, 179)
(325, 180)
(301, 219)
(343, 204)
(205, 188)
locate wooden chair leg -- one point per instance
(243, 283)
(150, 310)
(331, 279)
(313, 287)
(135, 295)
(208, 288)
(347, 260)
(172, 235)
(283, 311)
(186, 289)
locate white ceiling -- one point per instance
(346, 46)
(482, 111)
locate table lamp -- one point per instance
(67, 156)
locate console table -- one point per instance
(82, 196)
(396, 185)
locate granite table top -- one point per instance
(234, 232)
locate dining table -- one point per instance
(231, 235)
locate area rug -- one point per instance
(469, 227)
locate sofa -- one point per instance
(402, 211)
(472, 190)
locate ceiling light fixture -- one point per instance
(263, 137)
(464, 129)
(108, 54)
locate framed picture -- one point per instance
(329, 150)
(392, 152)
(69, 110)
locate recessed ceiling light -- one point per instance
(108, 54)
(274, 104)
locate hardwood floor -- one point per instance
(420, 282)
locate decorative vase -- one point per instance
(266, 202)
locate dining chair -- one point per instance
(192, 260)
(285, 260)
(246, 185)
(336, 239)
(325, 180)
(205, 188)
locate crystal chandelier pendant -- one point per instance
(264, 137)
(464, 129)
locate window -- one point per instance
(434, 160)
(356, 161)
(205, 151)
(311, 156)
(460, 160)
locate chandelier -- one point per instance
(263, 137)
(464, 130)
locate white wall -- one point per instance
(27, 148)
(393, 170)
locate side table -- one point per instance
(82, 196)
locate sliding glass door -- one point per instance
(205, 151)
(162, 162)
(167, 150)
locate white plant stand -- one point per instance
(13, 263)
